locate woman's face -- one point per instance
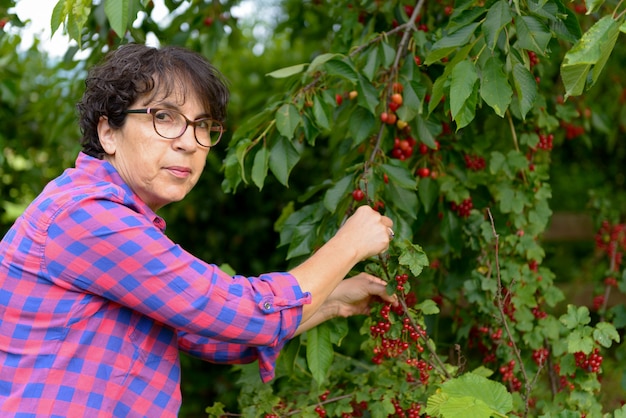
(158, 170)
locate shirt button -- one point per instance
(267, 306)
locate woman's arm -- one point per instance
(364, 234)
(352, 296)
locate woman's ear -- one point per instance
(107, 136)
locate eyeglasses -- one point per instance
(171, 124)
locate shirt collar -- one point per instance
(105, 171)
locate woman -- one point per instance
(96, 301)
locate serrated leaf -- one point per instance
(525, 87)
(361, 124)
(287, 71)
(460, 37)
(491, 393)
(579, 341)
(428, 192)
(532, 34)
(283, 157)
(321, 60)
(59, 14)
(287, 120)
(494, 86)
(320, 112)
(462, 82)
(319, 352)
(337, 192)
(575, 316)
(371, 64)
(341, 68)
(428, 307)
(498, 16)
(400, 176)
(368, 94)
(260, 167)
(117, 11)
(604, 333)
(590, 53)
(404, 199)
(593, 6)
(413, 257)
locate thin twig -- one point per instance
(505, 323)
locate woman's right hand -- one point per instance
(367, 231)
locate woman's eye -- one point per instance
(164, 116)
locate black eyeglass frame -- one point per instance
(215, 125)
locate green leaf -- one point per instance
(320, 112)
(462, 82)
(459, 38)
(337, 192)
(593, 6)
(494, 87)
(428, 307)
(400, 176)
(428, 192)
(319, 352)
(413, 257)
(575, 316)
(605, 333)
(498, 16)
(361, 124)
(532, 34)
(287, 120)
(525, 88)
(321, 60)
(283, 157)
(117, 11)
(440, 83)
(371, 64)
(578, 341)
(470, 396)
(287, 71)
(368, 94)
(404, 199)
(590, 53)
(59, 13)
(341, 68)
(260, 167)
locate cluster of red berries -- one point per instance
(403, 148)
(412, 411)
(358, 410)
(538, 313)
(590, 363)
(474, 162)
(464, 208)
(422, 367)
(564, 382)
(508, 375)
(572, 130)
(540, 356)
(611, 239)
(534, 59)
(320, 411)
(545, 141)
(598, 302)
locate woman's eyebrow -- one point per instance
(172, 106)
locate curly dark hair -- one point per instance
(136, 71)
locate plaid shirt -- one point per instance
(95, 303)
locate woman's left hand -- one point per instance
(353, 296)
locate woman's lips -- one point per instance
(181, 172)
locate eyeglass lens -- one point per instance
(172, 124)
